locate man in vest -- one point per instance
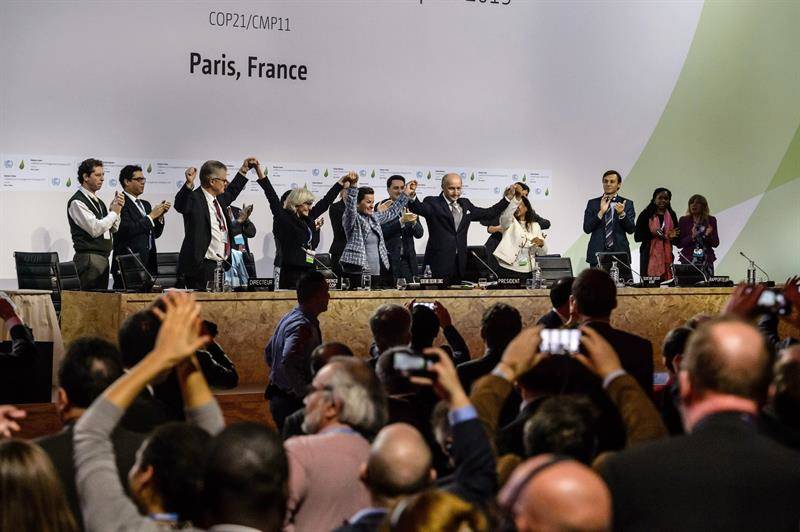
(91, 225)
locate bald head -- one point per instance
(565, 496)
(451, 186)
(399, 462)
(728, 356)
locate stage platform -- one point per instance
(247, 319)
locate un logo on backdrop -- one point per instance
(315, 172)
(8, 163)
(179, 183)
(112, 182)
(55, 181)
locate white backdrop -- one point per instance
(566, 88)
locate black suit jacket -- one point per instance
(723, 476)
(59, 448)
(197, 221)
(446, 251)
(551, 320)
(635, 353)
(134, 232)
(247, 229)
(370, 522)
(399, 240)
(23, 349)
(593, 226)
(474, 478)
(339, 237)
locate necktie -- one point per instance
(151, 242)
(456, 214)
(222, 227)
(609, 226)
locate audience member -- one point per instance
(740, 479)
(288, 351)
(9, 417)
(780, 417)
(390, 326)
(399, 465)
(672, 353)
(87, 369)
(559, 315)
(436, 511)
(563, 425)
(499, 325)
(245, 480)
(551, 492)
(166, 479)
(31, 496)
(345, 406)
(399, 233)
(91, 225)
(594, 297)
(425, 325)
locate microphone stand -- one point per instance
(149, 285)
(496, 277)
(615, 259)
(753, 266)
(316, 260)
(705, 277)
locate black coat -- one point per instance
(635, 353)
(724, 476)
(247, 229)
(339, 237)
(197, 222)
(551, 320)
(642, 234)
(593, 226)
(399, 240)
(446, 252)
(134, 232)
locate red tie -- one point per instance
(222, 228)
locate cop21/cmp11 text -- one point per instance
(225, 67)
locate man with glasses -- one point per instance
(207, 237)
(140, 224)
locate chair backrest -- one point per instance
(554, 268)
(168, 269)
(37, 271)
(324, 258)
(475, 268)
(420, 263)
(68, 274)
(133, 275)
(686, 275)
(249, 264)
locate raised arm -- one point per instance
(350, 211)
(629, 220)
(324, 204)
(184, 196)
(507, 218)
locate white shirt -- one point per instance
(216, 248)
(87, 220)
(138, 206)
(518, 239)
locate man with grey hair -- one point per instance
(344, 406)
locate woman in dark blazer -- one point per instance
(293, 227)
(699, 235)
(657, 230)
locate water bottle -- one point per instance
(277, 276)
(219, 277)
(537, 275)
(614, 273)
(427, 273)
(366, 279)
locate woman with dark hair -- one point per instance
(31, 496)
(698, 235)
(657, 230)
(522, 237)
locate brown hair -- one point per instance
(436, 511)
(31, 495)
(703, 201)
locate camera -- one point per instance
(773, 302)
(560, 341)
(411, 364)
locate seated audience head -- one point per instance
(697, 320)
(313, 293)
(137, 336)
(424, 327)
(365, 200)
(246, 477)
(399, 464)
(214, 177)
(132, 180)
(451, 186)
(559, 296)
(442, 430)
(89, 367)
(673, 347)
(390, 326)
(726, 367)
(168, 474)
(563, 425)
(31, 495)
(299, 201)
(437, 511)
(785, 387)
(347, 392)
(594, 295)
(395, 382)
(323, 353)
(91, 174)
(395, 186)
(499, 325)
(554, 493)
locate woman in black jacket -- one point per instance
(293, 226)
(657, 230)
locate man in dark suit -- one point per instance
(207, 234)
(399, 234)
(593, 298)
(609, 220)
(559, 297)
(140, 224)
(88, 368)
(339, 237)
(499, 325)
(448, 216)
(723, 475)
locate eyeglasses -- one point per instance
(139, 179)
(219, 179)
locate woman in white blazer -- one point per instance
(522, 239)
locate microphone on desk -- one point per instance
(222, 259)
(615, 259)
(150, 284)
(496, 277)
(754, 265)
(316, 260)
(704, 282)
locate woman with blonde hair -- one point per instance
(31, 496)
(698, 235)
(293, 224)
(436, 511)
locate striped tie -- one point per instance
(609, 223)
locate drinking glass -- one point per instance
(483, 282)
(345, 283)
(401, 283)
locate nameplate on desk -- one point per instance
(509, 282)
(720, 280)
(650, 281)
(333, 284)
(430, 283)
(261, 284)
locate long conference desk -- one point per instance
(247, 319)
